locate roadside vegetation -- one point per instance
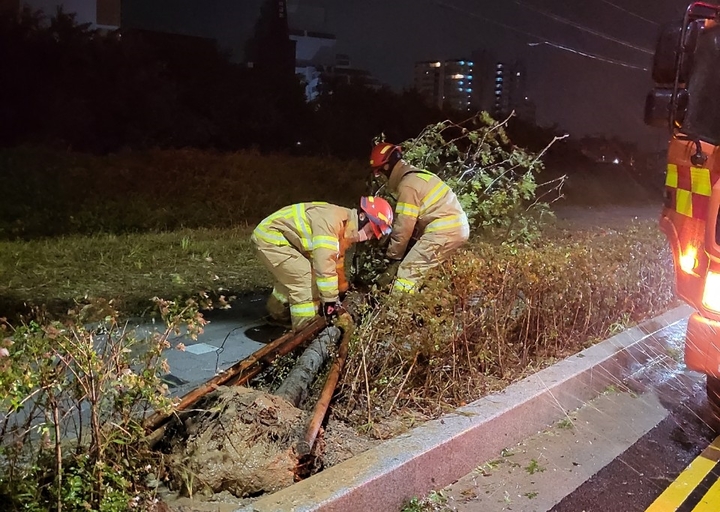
(90, 240)
(134, 169)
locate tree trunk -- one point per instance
(295, 387)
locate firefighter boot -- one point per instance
(279, 311)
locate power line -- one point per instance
(631, 13)
(540, 39)
(590, 55)
(577, 26)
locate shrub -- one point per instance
(72, 399)
(494, 312)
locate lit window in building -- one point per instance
(435, 65)
(457, 76)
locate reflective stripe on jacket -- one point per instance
(425, 204)
(321, 232)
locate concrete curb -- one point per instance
(439, 452)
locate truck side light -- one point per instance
(711, 295)
(688, 261)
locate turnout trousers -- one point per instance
(294, 284)
(428, 252)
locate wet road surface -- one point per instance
(617, 453)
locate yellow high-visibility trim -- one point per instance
(279, 296)
(437, 192)
(326, 242)
(302, 310)
(680, 489)
(446, 223)
(407, 209)
(385, 149)
(700, 181)
(303, 226)
(403, 285)
(671, 179)
(424, 175)
(327, 284)
(683, 202)
(270, 236)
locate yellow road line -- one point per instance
(711, 501)
(678, 491)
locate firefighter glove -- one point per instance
(386, 278)
(331, 310)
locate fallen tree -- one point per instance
(295, 387)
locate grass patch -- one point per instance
(130, 269)
(52, 193)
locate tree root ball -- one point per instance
(241, 441)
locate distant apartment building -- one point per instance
(510, 91)
(446, 84)
(478, 83)
(428, 81)
(100, 14)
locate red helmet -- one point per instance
(383, 153)
(380, 214)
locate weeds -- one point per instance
(565, 423)
(73, 396)
(534, 467)
(435, 501)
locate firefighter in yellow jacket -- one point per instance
(303, 246)
(427, 210)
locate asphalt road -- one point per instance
(635, 479)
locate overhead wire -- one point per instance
(589, 55)
(630, 12)
(539, 39)
(583, 28)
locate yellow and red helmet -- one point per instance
(383, 153)
(379, 213)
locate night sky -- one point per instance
(582, 95)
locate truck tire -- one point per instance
(713, 397)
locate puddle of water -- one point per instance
(265, 333)
(172, 381)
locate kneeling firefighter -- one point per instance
(303, 246)
(427, 210)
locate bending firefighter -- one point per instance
(303, 246)
(427, 210)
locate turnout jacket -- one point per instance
(425, 204)
(321, 232)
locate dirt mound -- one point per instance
(241, 441)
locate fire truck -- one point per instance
(686, 100)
